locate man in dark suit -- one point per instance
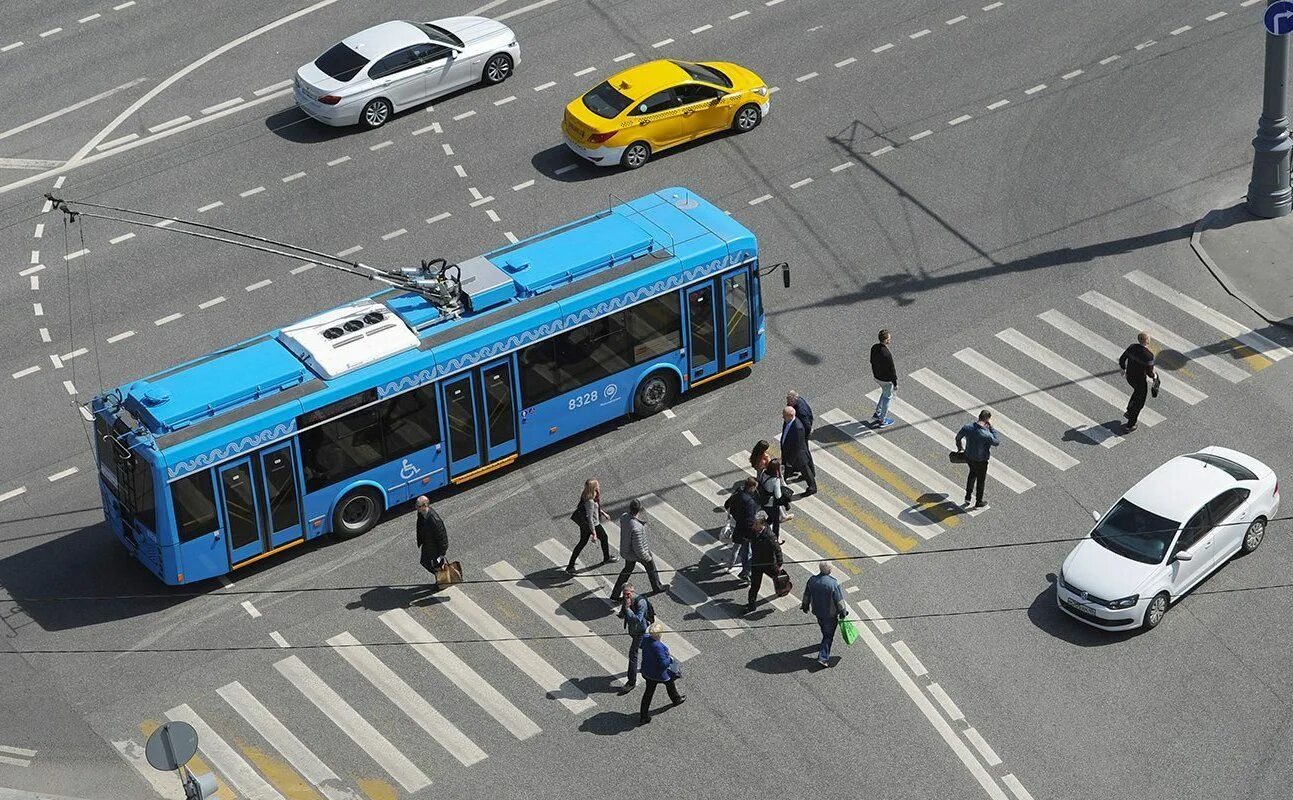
(432, 537)
(794, 449)
(803, 413)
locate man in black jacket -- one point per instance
(743, 505)
(794, 449)
(803, 413)
(433, 538)
(883, 370)
(766, 558)
(1137, 365)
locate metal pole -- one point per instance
(1269, 194)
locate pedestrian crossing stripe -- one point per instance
(901, 512)
(559, 555)
(1015, 432)
(245, 780)
(945, 437)
(547, 677)
(1111, 352)
(936, 508)
(1038, 398)
(1074, 374)
(1189, 350)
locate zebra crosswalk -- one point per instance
(505, 654)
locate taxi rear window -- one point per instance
(605, 101)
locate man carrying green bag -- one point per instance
(824, 597)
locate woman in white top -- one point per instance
(774, 495)
(589, 516)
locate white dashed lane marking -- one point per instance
(334, 162)
(918, 136)
(40, 230)
(70, 256)
(278, 639)
(668, 414)
(120, 336)
(1109, 60)
(22, 373)
(210, 206)
(701, 29)
(882, 48)
(565, 169)
(258, 285)
(624, 57)
(1182, 30)
(511, 237)
(760, 199)
(168, 318)
(302, 268)
(550, 84)
(380, 145)
(350, 251)
(960, 119)
(581, 73)
(807, 77)
(918, 34)
(70, 387)
(505, 100)
(222, 106)
(998, 104)
(992, 6)
(1215, 17)
(1143, 45)
(691, 437)
(50, 32)
(215, 301)
(492, 214)
(738, 15)
(663, 42)
(67, 473)
(523, 185)
(462, 173)
(841, 167)
(272, 88)
(1035, 89)
(9, 47)
(120, 6)
(12, 493)
(803, 182)
(386, 237)
(250, 192)
(295, 176)
(250, 609)
(438, 217)
(170, 123)
(1068, 76)
(845, 62)
(955, 20)
(882, 150)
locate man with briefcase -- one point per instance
(433, 540)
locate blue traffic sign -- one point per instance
(1279, 18)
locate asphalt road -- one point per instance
(949, 171)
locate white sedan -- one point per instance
(1175, 527)
(366, 78)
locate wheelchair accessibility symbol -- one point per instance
(407, 471)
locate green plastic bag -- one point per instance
(849, 631)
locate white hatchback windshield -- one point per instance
(1135, 533)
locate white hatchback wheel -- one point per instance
(1254, 535)
(1156, 611)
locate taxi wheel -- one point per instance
(497, 69)
(376, 113)
(635, 155)
(747, 118)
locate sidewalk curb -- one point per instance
(1227, 283)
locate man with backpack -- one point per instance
(638, 616)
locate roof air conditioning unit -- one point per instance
(347, 338)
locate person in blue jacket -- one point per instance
(658, 667)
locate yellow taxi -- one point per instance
(661, 104)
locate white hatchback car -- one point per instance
(1175, 527)
(366, 78)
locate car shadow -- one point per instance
(553, 162)
(1045, 614)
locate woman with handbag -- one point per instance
(658, 667)
(588, 515)
(774, 495)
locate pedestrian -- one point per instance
(589, 516)
(976, 440)
(759, 457)
(774, 495)
(433, 538)
(638, 615)
(824, 597)
(803, 413)
(794, 449)
(634, 549)
(765, 558)
(1137, 365)
(743, 505)
(658, 667)
(882, 369)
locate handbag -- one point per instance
(849, 631)
(956, 457)
(449, 574)
(675, 669)
(1153, 389)
(729, 527)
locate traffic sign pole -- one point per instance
(1269, 194)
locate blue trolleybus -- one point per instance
(323, 425)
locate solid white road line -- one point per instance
(1209, 316)
(795, 549)
(547, 677)
(1212, 363)
(1038, 398)
(710, 548)
(872, 440)
(873, 493)
(559, 555)
(302, 759)
(1171, 385)
(468, 681)
(946, 437)
(444, 732)
(360, 731)
(546, 607)
(69, 109)
(224, 758)
(1015, 432)
(1079, 377)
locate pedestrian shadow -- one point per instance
(1082, 435)
(389, 598)
(800, 659)
(609, 723)
(597, 684)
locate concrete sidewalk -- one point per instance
(1251, 257)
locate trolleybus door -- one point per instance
(499, 404)
(738, 339)
(283, 507)
(702, 344)
(240, 511)
(460, 414)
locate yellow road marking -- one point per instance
(874, 523)
(377, 789)
(826, 545)
(278, 772)
(1255, 360)
(196, 765)
(938, 511)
